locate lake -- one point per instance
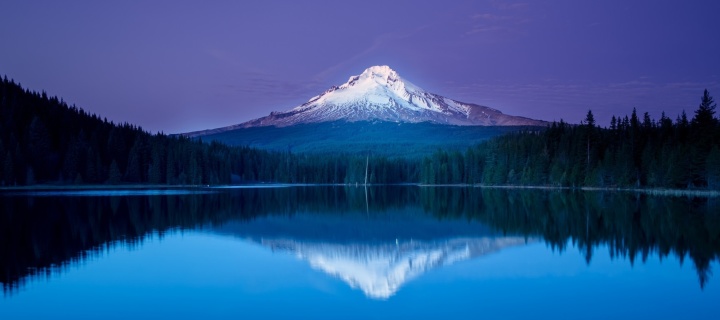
(341, 252)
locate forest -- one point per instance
(43, 140)
(634, 152)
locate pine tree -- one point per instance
(156, 166)
(590, 137)
(9, 170)
(170, 176)
(114, 175)
(39, 147)
(133, 171)
(713, 168)
(78, 179)
(590, 119)
(704, 115)
(30, 176)
(91, 166)
(2, 163)
(72, 162)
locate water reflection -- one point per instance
(374, 253)
(376, 246)
(380, 270)
(109, 193)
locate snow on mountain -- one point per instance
(376, 253)
(379, 93)
(380, 269)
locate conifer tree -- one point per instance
(704, 116)
(114, 175)
(9, 170)
(713, 168)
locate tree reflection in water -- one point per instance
(44, 235)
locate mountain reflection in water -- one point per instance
(375, 253)
(376, 246)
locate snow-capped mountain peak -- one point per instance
(380, 93)
(380, 269)
(381, 76)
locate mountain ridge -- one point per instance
(379, 93)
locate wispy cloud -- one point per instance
(489, 17)
(252, 85)
(378, 43)
(499, 17)
(481, 29)
(272, 88)
(506, 5)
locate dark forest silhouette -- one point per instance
(631, 153)
(43, 140)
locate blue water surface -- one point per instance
(198, 275)
(290, 261)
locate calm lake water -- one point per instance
(356, 253)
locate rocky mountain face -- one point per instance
(379, 93)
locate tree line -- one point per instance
(44, 140)
(50, 233)
(634, 151)
(631, 226)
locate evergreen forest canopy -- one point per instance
(45, 141)
(632, 152)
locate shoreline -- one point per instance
(649, 191)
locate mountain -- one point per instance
(380, 269)
(375, 252)
(377, 110)
(383, 138)
(379, 93)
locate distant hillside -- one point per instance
(43, 140)
(378, 137)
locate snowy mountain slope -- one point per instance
(375, 252)
(380, 269)
(379, 93)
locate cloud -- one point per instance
(224, 57)
(501, 17)
(273, 88)
(480, 29)
(504, 5)
(379, 42)
(489, 16)
(252, 85)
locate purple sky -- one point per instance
(177, 66)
